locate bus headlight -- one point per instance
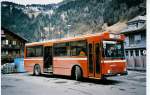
(125, 69)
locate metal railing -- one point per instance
(137, 63)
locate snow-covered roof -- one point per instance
(137, 19)
(133, 29)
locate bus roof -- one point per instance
(83, 37)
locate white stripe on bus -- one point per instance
(105, 61)
(111, 61)
(33, 59)
(70, 58)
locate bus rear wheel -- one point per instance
(37, 70)
(77, 73)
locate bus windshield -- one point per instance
(113, 49)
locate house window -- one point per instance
(137, 38)
(2, 32)
(131, 39)
(3, 42)
(143, 36)
(3, 52)
(6, 52)
(127, 41)
(136, 52)
(140, 23)
(6, 42)
(131, 52)
(14, 42)
(133, 25)
(127, 54)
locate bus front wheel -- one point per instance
(37, 70)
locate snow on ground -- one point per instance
(24, 84)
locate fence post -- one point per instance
(131, 63)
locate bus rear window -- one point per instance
(36, 51)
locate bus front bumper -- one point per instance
(115, 74)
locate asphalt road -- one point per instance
(24, 84)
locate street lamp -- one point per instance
(68, 30)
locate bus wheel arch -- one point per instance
(37, 70)
(77, 72)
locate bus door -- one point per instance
(94, 59)
(48, 59)
(97, 59)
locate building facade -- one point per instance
(12, 46)
(135, 32)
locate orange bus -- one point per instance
(89, 56)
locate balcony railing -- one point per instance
(11, 47)
(136, 45)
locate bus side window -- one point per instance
(78, 48)
(82, 53)
(61, 49)
(35, 51)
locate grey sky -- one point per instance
(34, 1)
